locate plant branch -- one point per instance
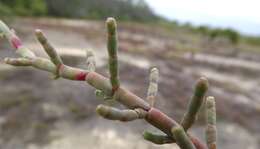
(153, 86)
(211, 130)
(121, 115)
(181, 138)
(196, 101)
(112, 53)
(157, 139)
(135, 104)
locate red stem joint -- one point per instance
(81, 76)
(16, 42)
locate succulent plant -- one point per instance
(110, 88)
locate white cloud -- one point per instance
(243, 15)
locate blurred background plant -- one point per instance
(136, 10)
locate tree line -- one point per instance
(136, 10)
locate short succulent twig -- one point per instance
(49, 49)
(197, 143)
(18, 61)
(153, 86)
(195, 103)
(112, 52)
(181, 138)
(157, 139)
(211, 130)
(15, 41)
(121, 115)
(90, 62)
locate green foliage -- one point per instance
(5, 10)
(253, 40)
(38, 7)
(230, 34)
(203, 30)
(136, 10)
(23, 7)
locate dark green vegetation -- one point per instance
(230, 34)
(23, 7)
(136, 10)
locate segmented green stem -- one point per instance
(15, 41)
(211, 130)
(121, 115)
(112, 52)
(18, 61)
(153, 86)
(157, 139)
(55, 58)
(181, 138)
(195, 103)
(49, 49)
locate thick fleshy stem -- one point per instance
(49, 49)
(181, 138)
(18, 61)
(112, 52)
(153, 86)
(157, 138)
(211, 130)
(195, 103)
(91, 63)
(15, 41)
(121, 115)
(197, 143)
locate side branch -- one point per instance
(49, 49)
(153, 86)
(157, 139)
(211, 130)
(15, 41)
(112, 52)
(121, 115)
(181, 138)
(196, 101)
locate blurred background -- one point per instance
(185, 39)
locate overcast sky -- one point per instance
(242, 15)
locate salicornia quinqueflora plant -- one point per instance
(110, 89)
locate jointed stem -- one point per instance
(181, 138)
(195, 103)
(112, 52)
(153, 86)
(157, 139)
(49, 49)
(211, 130)
(121, 115)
